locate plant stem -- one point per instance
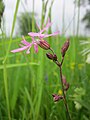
(64, 95)
(59, 64)
(6, 90)
(12, 30)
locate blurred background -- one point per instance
(27, 82)
(63, 14)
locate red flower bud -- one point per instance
(64, 80)
(57, 97)
(49, 55)
(55, 57)
(43, 44)
(65, 47)
(66, 87)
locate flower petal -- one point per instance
(47, 26)
(36, 47)
(33, 34)
(28, 50)
(36, 35)
(53, 34)
(19, 49)
(38, 26)
(33, 39)
(25, 42)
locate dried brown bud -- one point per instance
(65, 47)
(49, 55)
(43, 44)
(55, 57)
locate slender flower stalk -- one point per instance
(57, 97)
(65, 85)
(64, 95)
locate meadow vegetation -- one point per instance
(27, 82)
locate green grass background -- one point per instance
(27, 82)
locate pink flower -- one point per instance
(42, 43)
(40, 34)
(26, 46)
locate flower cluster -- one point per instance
(37, 39)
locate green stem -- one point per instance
(42, 16)
(13, 26)
(6, 90)
(4, 61)
(59, 64)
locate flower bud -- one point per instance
(65, 47)
(43, 44)
(57, 97)
(49, 55)
(64, 80)
(55, 57)
(66, 87)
